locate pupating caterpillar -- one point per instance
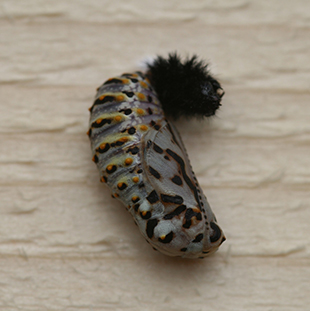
(141, 157)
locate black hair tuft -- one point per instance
(184, 88)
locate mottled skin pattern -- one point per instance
(141, 157)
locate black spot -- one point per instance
(168, 238)
(95, 158)
(149, 110)
(177, 180)
(172, 199)
(216, 232)
(141, 185)
(146, 216)
(167, 158)
(127, 112)
(175, 212)
(148, 144)
(133, 150)
(157, 148)
(152, 123)
(89, 132)
(150, 226)
(105, 149)
(198, 238)
(152, 197)
(122, 186)
(101, 123)
(131, 131)
(156, 127)
(139, 171)
(187, 224)
(119, 143)
(105, 178)
(128, 94)
(134, 80)
(154, 172)
(112, 170)
(150, 99)
(223, 240)
(136, 207)
(113, 81)
(184, 249)
(106, 99)
(135, 200)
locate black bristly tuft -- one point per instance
(184, 88)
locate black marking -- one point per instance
(149, 110)
(188, 217)
(133, 150)
(112, 170)
(150, 99)
(184, 249)
(129, 94)
(136, 207)
(105, 149)
(100, 102)
(101, 123)
(89, 132)
(141, 185)
(134, 80)
(188, 181)
(119, 143)
(135, 200)
(150, 226)
(198, 238)
(128, 112)
(147, 215)
(96, 158)
(175, 212)
(156, 127)
(157, 148)
(122, 186)
(152, 197)
(168, 238)
(148, 144)
(139, 171)
(152, 123)
(131, 131)
(110, 81)
(167, 158)
(172, 199)
(154, 172)
(177, 180)
(216, 232)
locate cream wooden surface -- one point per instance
(65, 244)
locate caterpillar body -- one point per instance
(141, 157)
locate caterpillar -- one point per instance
(141, 156)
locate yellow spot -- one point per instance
(144, 213)
(135, 179)
(134, 198)
(128, 161)
(102, 179)
(125, 81)
(87, 133)
(118, 118)
(140, 111)
(93, 159)
(89, 109)
(98, 120)
(123, 139)
(135, 75)
(109, 167)
(120, 98)
(162, 237)
(143, 127)
(116, 195)
(141, 96)
(101, 97)
(102, 146)
(143, 84)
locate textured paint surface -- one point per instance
(66, 244)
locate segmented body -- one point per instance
(141, 157)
